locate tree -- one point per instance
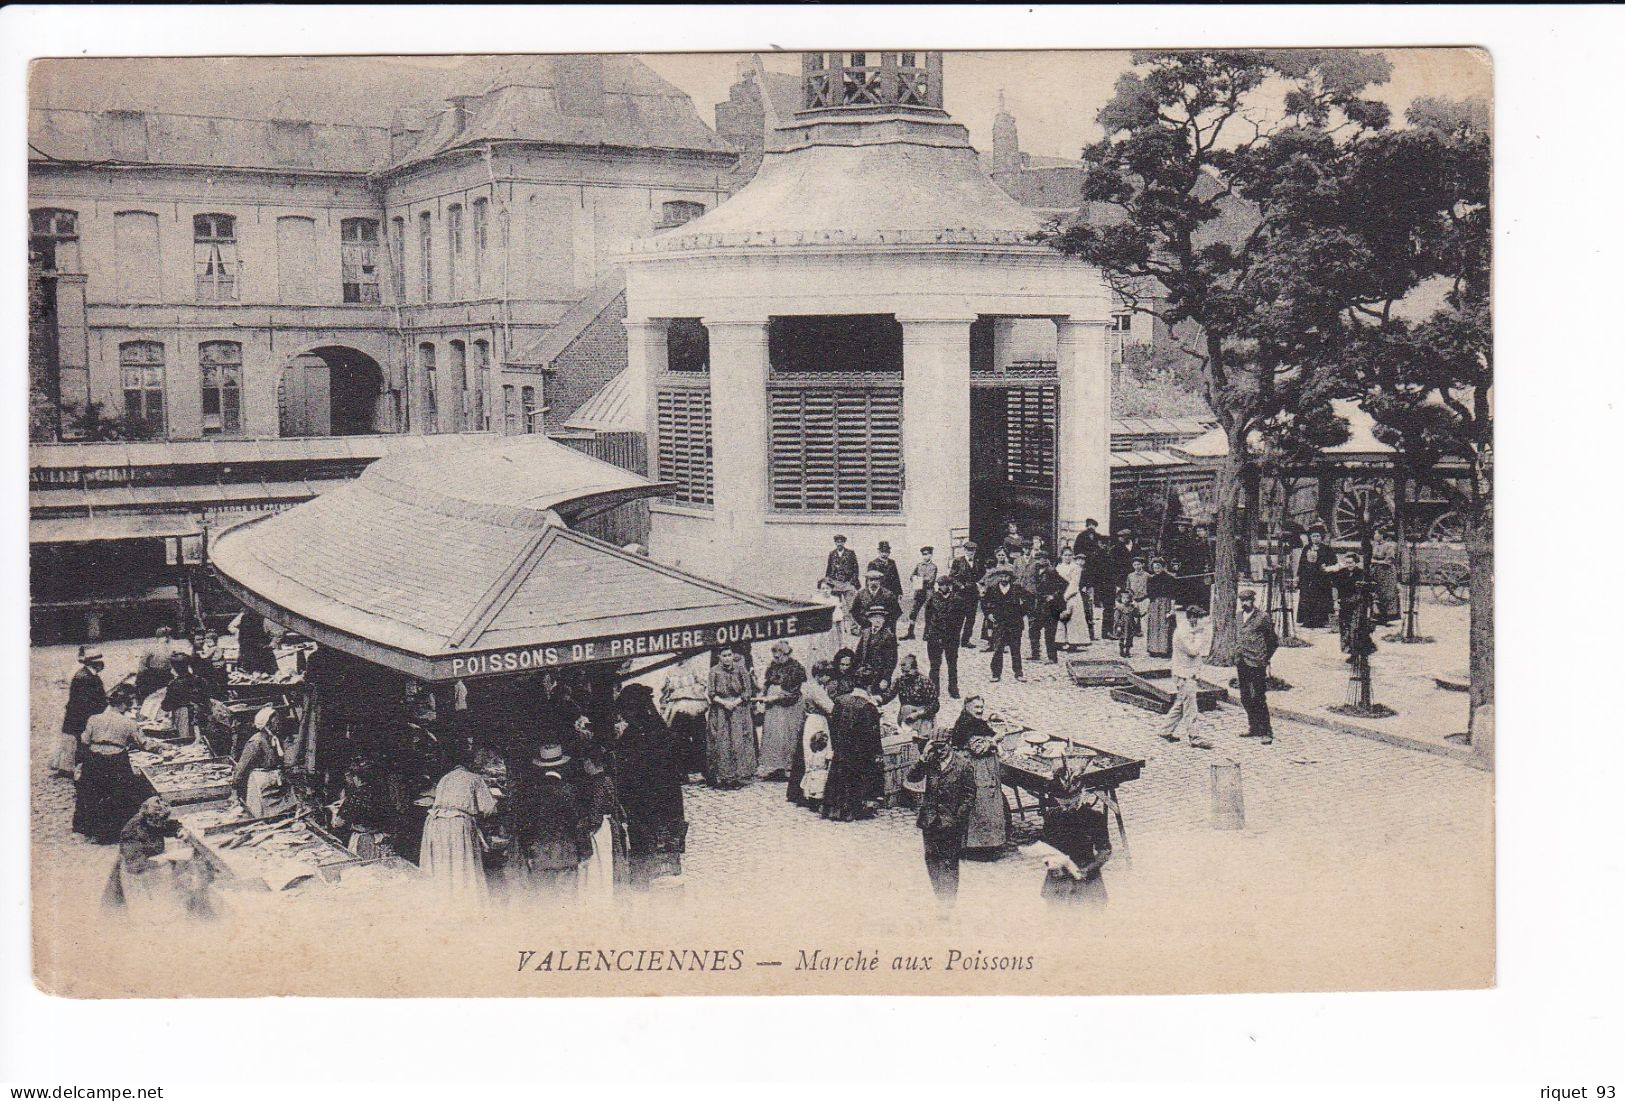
(1425, 375)
(92, 422)
(1212, 188)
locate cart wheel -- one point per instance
(1450, 584)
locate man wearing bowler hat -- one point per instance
(877, 650)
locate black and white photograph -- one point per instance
(860, 521)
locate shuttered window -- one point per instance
(683, 454)
(1030, 435)
(836, 449)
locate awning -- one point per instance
(463, 568)
(97, 529)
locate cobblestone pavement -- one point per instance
(1339, 791)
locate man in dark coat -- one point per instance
(944, 623)
(1049, 599)
(964, 575)
(1005, 604)
(547, 822)
(886, 566)
(841, 571)
(945, 808)
(856, 774)
(1088, 542)
(874, 594)
(1255, 646)
(877, 650)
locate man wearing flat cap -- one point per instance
(841, 571)
(1006, 605)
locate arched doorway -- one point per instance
(332, 391)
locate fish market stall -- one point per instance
(1029, 761)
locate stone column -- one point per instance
(645, 361)
(936, 433)
(1084, 431)
(738, 434)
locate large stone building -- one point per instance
(309, 246)
(235, 257)
(833, 348)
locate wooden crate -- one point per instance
(900, 753)
(169, 782)
(1104, 672)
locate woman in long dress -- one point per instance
(109, 792)
(86, 697)
(260, 777)
(989, 825)
(650, 781)
(1316, 566)
(730, 735)
(784, 714)
(819, 703)
(1161, 588)
(1075, 613)
(452, 852)
(603, 828)
(1385, 576)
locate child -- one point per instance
(817, 774)
(1127, 613)
(1136, 584)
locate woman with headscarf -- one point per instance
(261, 778)
(651, 773)
(784, 714)
(452, 853)
(845, 670)
(730, 735)
(109, 791)
(989, 825)
(1078, 838)
(86, 697)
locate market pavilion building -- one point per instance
(866, 339)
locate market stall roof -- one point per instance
(462, 567)
(1362, 443)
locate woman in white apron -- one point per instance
(604, 827)
(261, 776)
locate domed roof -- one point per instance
(907, 183)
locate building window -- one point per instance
(454, 245)
(426, 256)
(679, 211)
(141, 371)
(1123, 322)
(527, 408)
(459, 384)
(688, 346)
(482, 210)
(215, 262)
(836, 448)
(53, 238)
(220, 368)
(482, 385)
(510, 411)
(431, 388)
(358, 239)
(683, 443)
(397, 257)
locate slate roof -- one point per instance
(609, 410)
(418, 563)
(335, 113)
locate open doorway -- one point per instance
(332, 391)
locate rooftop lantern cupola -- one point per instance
(871, 82)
